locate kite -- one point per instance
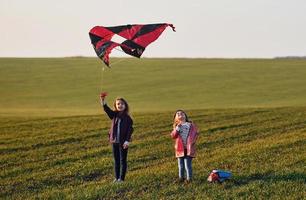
(138, 37)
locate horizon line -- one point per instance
(172, 57)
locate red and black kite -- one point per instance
(138, 37)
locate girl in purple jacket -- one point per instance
(185, 134)
(119, 134)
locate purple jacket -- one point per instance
(191, 139)
(126, 125)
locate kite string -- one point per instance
(118, 61)
(103, 69)
(119, 50)
(102, 78)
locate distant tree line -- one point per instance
(290, 57)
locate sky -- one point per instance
(204, 28)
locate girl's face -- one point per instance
(180, 116)
(120, 105)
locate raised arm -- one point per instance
(110, 113)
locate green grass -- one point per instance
(70, 158)
(70, 86)
(53, 134)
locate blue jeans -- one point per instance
(184, 163)
(120, 156)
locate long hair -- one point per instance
(126, 110)
(175, 122)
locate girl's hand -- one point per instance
(178, 128)
(102, 97)
(125, 145)
(102, 101)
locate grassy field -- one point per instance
(70, 158)
(70, 86)
(251, 115)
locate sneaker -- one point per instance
(115, 180)
(188, 181)
(179, 180)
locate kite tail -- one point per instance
(173, 28)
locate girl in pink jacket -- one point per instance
(185, 134)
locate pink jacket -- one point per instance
(191, 139)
